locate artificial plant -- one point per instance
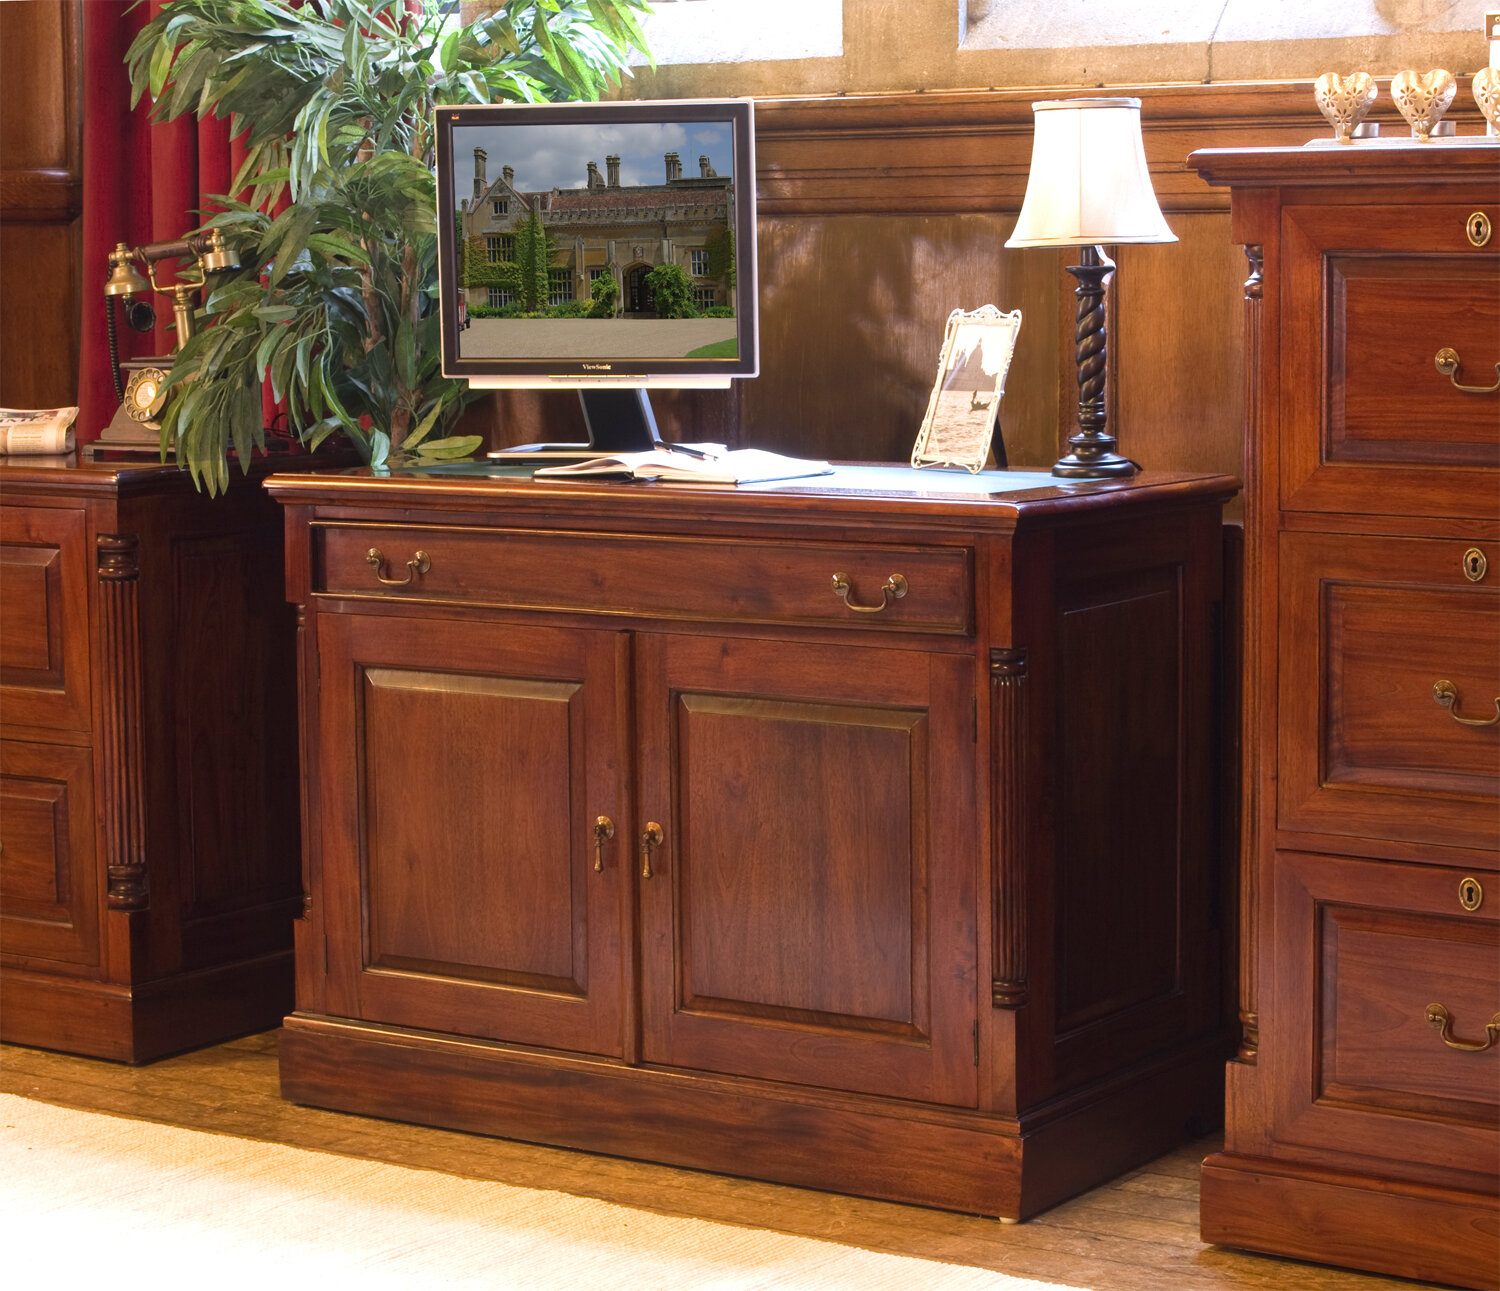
(334, 208)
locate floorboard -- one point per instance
(1138, 1233)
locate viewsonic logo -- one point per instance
(598, 367)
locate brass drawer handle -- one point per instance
(1446, 694)
(418, 564)
(604, 830)
(1439, 1017)
(893, 589)
(651, 839)
(1447, 362)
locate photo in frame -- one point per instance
(965, 405)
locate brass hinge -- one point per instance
(976, 1044)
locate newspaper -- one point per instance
(36, 430)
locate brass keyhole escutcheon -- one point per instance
(1475, 564)
(1470, 893)
(1478, 228)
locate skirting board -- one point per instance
(150, 1020)
(1407, 1230)
(907, 1152)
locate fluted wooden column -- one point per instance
(122, 806)
(1009, 988)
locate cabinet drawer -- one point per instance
(1372, 295)
(1368, 948)
(1369, 628)
(49, 887)
(677, 578)
(44, 642)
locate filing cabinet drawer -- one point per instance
(1389, 690)
(1394, 984)
(1370, 423)
(44, 659)
(911, 588)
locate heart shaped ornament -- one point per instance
(1345, 101)
(1487, 95)
(1422, 100)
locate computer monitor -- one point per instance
(608, 247)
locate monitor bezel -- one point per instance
(500, 373)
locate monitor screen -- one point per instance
(597, 243)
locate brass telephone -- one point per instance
(134, 430)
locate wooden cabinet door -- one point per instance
(809, 915)
(462, 768)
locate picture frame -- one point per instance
(964, 408)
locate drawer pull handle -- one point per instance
(418, 564)
(651, 839)
(604, 830)
(1447, 362)
(893, 589)
(1446, 694)
(1439, 1017)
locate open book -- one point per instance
(691, 464)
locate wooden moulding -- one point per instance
(141, 1023)
(1408, 1230)
(919, 1154)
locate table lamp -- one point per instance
(1089, 186)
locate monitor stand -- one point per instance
(619, 420)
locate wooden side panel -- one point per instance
(44, 647)
(462, 770)
(49, 890)
(810, 916)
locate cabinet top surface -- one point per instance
(1453, 160)
(851, 491)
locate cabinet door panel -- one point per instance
(482, 756)
(1369, 627)
(49, 889)
(810, 914)
(1370, 296)
(44, 631)
(1364, 949)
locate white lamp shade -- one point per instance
(1089, 182)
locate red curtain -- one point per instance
(143, 181)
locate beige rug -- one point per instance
(88, 1200)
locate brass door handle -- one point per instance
(604, 830)
(893, 589)
(1446, 694)
(1447, 362)
(418, 564)
(1439, 1017)
(651, 839)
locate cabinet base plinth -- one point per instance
(915, 1153)
(147, 1021)
(1407, 1230)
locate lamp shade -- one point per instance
(1088, 183)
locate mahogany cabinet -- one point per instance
(149, 869)
(854, 833)
(1363, 1115)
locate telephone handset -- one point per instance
(134, 430)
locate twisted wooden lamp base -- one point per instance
(1093, 453)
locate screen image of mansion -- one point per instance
(606, 228)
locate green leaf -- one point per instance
(380, 448)
(455, 446)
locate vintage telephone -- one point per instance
(134, 430)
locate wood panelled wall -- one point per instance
(41, 191)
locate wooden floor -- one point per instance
(1140, 1231)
